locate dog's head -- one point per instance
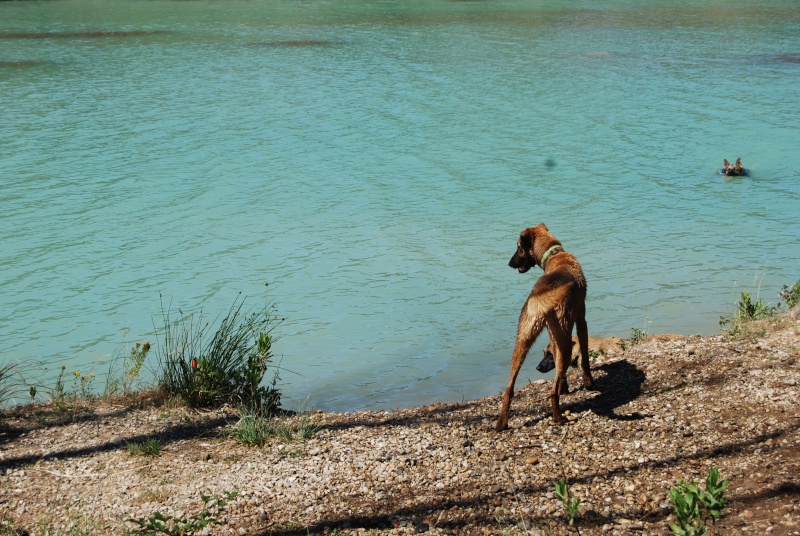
(733, 170)
(531, 246)
(548, 361)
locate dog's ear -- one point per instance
(726, 164)
(738, 162)
(526, 241)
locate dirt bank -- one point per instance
(666, 410)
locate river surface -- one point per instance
(374, 161)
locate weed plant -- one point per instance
(747, 311)
(7, 526)
(149, 447)
(693, 506)
(123, 382)
(570, 503)
(160, 523)
(228, 366)
(791, 295)
(256, 428)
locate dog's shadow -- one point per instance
(621, 383)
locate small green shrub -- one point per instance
(226, 367)
(637, 336)
(747, 310)
(570, 503)
(694, 506)
(149, 447)
(791, 295)
(160, 523)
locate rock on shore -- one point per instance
(667, 410)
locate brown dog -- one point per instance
(733, 170)
(558, 302)
(600, 345)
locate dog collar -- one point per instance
(550, 252)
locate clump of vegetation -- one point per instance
(123, 383)
(8, 385)
(160, 523)
(791, 295)
(149, 447)
(256, 428)
(570, 503)
(693, 506)
(748, 310)
(637, 336)
(228, 366)
(7, 526)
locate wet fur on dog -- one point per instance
(557, 302)
(733, 170)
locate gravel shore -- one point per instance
(667, 409)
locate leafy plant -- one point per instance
(637, 336)
(228, 366)
(791, 295)
(747, 311)
(694, 506)
(570, 503)
(160, 523)
(149, 447)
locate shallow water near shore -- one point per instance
(374, 162)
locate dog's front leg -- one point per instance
(527, 332)
(516, 364)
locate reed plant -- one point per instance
(207, 367)
(8, 383)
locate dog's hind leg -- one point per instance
(583, 342)
(560, 337)
(531, 324)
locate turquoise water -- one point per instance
(375, 161)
